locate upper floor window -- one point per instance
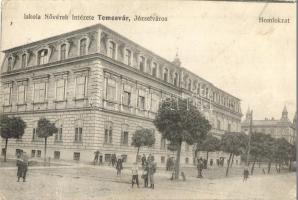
(207, 92)
(126, 98)
(63, 52)
(112, 50)
(127, 57)
(111, 90)
(24, 60)
(124, 134)
(218, 124)
(176, 79)
(108, 133)
(78, 134)
(83, 47)
(21, 94)
(154, 69)
(165, 75)
(7, 94)
(199, 89)
(142, 64)
(9, 65)
(163, 143)
(43, 56)
(58, 135)
(40, 91)
(60, 89)
(154, 102)
(189, 85)
(81, 82)
(141, 100)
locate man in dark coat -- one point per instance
(200, 168)
(119, 166)
(143, 160)
(19, 166)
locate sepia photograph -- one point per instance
(148, 100)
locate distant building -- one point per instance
(277, 128)
(99, 87)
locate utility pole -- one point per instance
(249, 137)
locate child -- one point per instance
(135, 177)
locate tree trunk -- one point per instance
(177, 167)
(276, 166)
(290, 164)
(207, 159)
(6, 141)
(253, 166)
(45, 150)
(232, 160)
(279, 166)
(137, 154)
(269, 167)
(227, 171)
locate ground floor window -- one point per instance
(32, 153)
(107, 157)
(38, 153)
(57, 155)
(18, 152)
(2, 151)
(162, 159)
(76, 156)
(186, 160)
(124, 158)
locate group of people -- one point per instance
(149, 169)
(22, 165)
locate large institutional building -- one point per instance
(99, 87)
(277, 128)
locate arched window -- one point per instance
(24, 60)
(165, 75)
(154, 69)
(176, 79)
(9, 65)
(43, 56)
(127, 57)
(63, 52)
(83, 47)
(142, 64)
(112, 50)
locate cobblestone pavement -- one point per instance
(93, 182)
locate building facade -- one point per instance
(99, 87)
(277, 128)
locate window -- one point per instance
(24, 60)
(58, 135)
(21, 94)
(83, 47)
(124, 158)
(63, 52)
(78, 134)
(124, 134)
(176, 79)
(34, 136)
(7, 94)
(127, 57)
(198, 89)
(189, 85)
(108, 133)
(218, 124)
(163, 143)
(108, 158)
(42, 57)
(9, 65)
(33, 153)
(112, 50)
(207, 92)
(154, 69)
(142, 64)
(111, 90)
(40, 92)
(76, 156)
(162, 159)
(229, 127)
(165, 75)
(186, 160)
(126, 98)
(57, 155)
(38, 153)
(60, 89)
(141, 102)
(154, 102)
(81, 86)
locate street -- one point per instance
(88, 182)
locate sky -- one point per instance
(223, 42)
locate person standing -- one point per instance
(143, 160)
(25, 162)
(145, 174)
(245, 174)
(135, 175)
(119, 166)
(152, 170)
(200, 168)
(114, 158)
(96, 154)
(19, 166)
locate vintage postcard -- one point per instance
(148, 99)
